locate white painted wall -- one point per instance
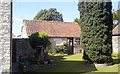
(116, 44)
(23, 32)
(57, 42)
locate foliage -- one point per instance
(116, 16)
(96, 26)
(51, 51)
(39, 38)
(36, 39)
(65, 43)
(61, 49)
(49, 15)
(77, 20)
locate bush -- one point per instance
(39, 38)
(52, 51)
(61, 49)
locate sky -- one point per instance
(27, 10)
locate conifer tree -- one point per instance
(96, 25)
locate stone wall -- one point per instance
(116, 44)
(22, 48)
(5, 14)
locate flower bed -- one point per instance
(25, 67)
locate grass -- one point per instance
(75, 63)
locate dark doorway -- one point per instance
(70, 45)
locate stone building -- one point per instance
(63, 31)
(5, 34)
(57, 31)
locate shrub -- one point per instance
(39, 38)
(61, 49)
(52, 51)
(36, 39)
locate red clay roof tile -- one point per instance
(53, 28)
(116, 30)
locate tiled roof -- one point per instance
(53, 28)
(116, 30)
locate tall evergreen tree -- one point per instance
(96, 25)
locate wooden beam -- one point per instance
(72, 45)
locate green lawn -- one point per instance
(75, 63)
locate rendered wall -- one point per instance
(116, 44)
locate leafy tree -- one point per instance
(49, 15)
(77, 20)
(39, 38)
(116, 16)
(96, 25)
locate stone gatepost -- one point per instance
(5, 34)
